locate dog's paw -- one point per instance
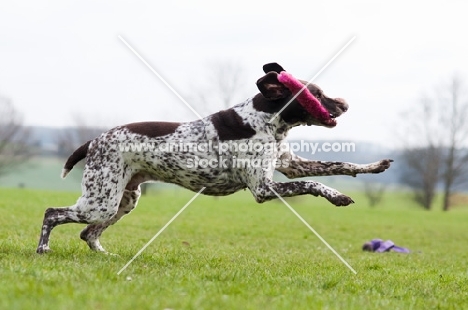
(43, 249)
(382, 165)
(341, 200)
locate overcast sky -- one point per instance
(60, 58)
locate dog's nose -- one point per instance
(342, 104)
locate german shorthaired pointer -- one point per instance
(119, 160)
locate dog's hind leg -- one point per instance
(92, 233)
(86, 211)
(54, 217)
(97, 204)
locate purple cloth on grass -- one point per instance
(380, 246)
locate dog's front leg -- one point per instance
(294, 166)
(267, 190)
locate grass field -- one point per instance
(231, 253)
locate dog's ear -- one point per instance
(273, 66)
(271, 88)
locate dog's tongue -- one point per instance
(306, 99)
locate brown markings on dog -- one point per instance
(262, 104)
(153, 129)
(230, 126)
(293, 113)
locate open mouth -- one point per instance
(330, 122)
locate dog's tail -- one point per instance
(74, 158)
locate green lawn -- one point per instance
(231, 253)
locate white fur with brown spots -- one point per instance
(112, 174)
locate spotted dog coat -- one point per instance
(114, 170)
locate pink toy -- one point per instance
(306, 99)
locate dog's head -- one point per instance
(275, 95)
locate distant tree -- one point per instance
(14, 148)
(421, 154)
(453, 104)
(421, 173)
(436, 148)
(374, 192)
(228, 81)
(223, 86)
